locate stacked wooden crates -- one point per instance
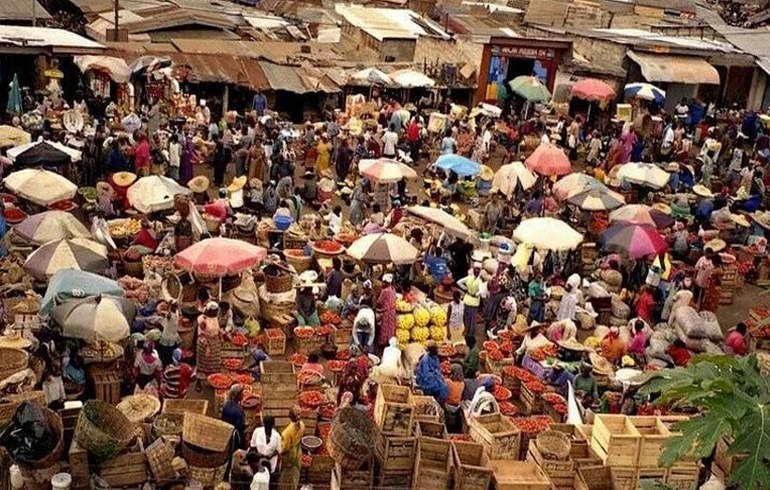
(729, 279)
(279, 390)
(433, 464)
(396, 445)
(500, 438)
(471, 469)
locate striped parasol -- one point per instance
(383, 248)
(51, 225)
(76, 253)
(597, 199)
(220, 256)
(636, 241)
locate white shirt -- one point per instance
(261, 481)
(668, 137)
(335, 223)
(545, 140)
(389, 142)
(265, 448)
(173, 154)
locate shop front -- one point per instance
(504, 59)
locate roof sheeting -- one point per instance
(22, 10)
(59, 40)
(385, 23)
(675, 69)
(297, 79)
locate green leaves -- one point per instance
(699, 437)
(754, 439)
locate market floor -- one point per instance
(750, 296)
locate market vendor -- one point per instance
(386, 309)
(570, 300)
(169, 339)
(146, 237)
(471, 361)
(305, 310)
(533, 340)
(536, 290)
(428, 374)
(233, 414)
(585, 385)
(219, 208)
(472, 284)
(105, 196)
(209, 348)
(147, 366)
(291, 449)
(612, 347)
(363, 329)
(177, 377)
(735, 343)
(266, 442)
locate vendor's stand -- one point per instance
(547, 234)
(76, 253)
(49, 153)
(42, 187)
(155, 193)
(549, 160)
(508, 177)
(635, 241)
(51, 225)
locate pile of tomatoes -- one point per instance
(508, 408)
(220, 381)
(502, 393)
(298, 359)
(274, 333)
(329, 317)
(311, 399)
(532, 425)
(323, 330)
(239, 340)
(336, 365)
(232, 363)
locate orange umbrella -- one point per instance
(549, 160)
(593, 89)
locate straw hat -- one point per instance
(572, 344)
(237, 184)
(672, 167)
(255, 183)
(199, 184)
(535, 324)
(600, 364)
(740, 220)
(702, 191)
(662, 207)
(762, 218)
(104, 188)
(124, 179)
(717, 244)
(486, 173)
(14, 340)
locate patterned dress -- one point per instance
(386, 305)
(209, 347)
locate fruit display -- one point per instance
(438, 333)
(101, 349)
(405, 321)
(438, 316)
(232, 363)
(327, 247)
(122, 228)
(421, 316)
(403, 336)
(239, 340)
(323, 330)
(446, 368)
(335, 365)
(532, 425)
(420, 334)
(134, 289)
(327, 317)
(403, 306)
(220, 381)
(243, 379)
(502, 393)
(311, 399)
(298, 359)
(508, 408)
(304, 332)
(544, 352)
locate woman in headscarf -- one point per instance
(177, 377)
(147, 366)
(358, 202)
(350, 381)
(428, 374)
(188, 156)
(386, 308)
(569, 301)
(233, 414)
(209, 348)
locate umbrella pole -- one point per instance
(220, 288)
(588, 116)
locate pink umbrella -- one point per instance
(593, 89)
(549, 160)
(220, 256)
(636, 241)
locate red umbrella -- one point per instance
(220, 256)
(635, 240)
(549, 160)
(593, 89)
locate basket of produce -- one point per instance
(296, 258)
(553, 444)
(311, 399)
(103, 430)
(206, 432)
(12, 361)
(89, 193)
(167, 425)
(351, 440)
(220, 381)
(278, 278)
(326, 248)
(138, 408)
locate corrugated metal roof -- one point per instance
(59, 40)
(297, 79)
(385, 23)
(641, 37)
(675, 69)
(181, 17)
(89, 7)
(21, 10)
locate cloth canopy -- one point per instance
(462, 166)
(13, 136)
(549, 160)
(99, 317)
(675, 69)
(547, 234)
(449, 223)
(370, 76)
(40, 186)
(42, 153)
(510, 175)
(117, 68)
(411, 79)
(636, 241)
(51, 225)
(77, 253)
(220, 256)
(530, 88)
(385, 171)
(155, 193)
(593, 90)
(383, 248)
(572, 184)
(70, 284)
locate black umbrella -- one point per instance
(42, 153)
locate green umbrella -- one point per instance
(14, 97)
(530, 88)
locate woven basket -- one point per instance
(159, 457)
(553, 444)
(57, 427)
(208, 477)
(139, 408)
(301, 263)
(351, 440)
(206, 432)
(201, 458)
(103, 430)
(12, 361)
(167, 425)
(10, 403)
(279, 284)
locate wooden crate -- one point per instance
(561, 472)
(396, 453)
(605, 478)
(343, 479)
(395, 479)
(424, 428)
(533, 402)
(128, 468)
(79, 469)
(69, 419)
(518, 475)
(683, 477)
(277, 374)
(276, 346)
(654, 434)
(319, 471)
(432, 464)
(615, 440)
(500, 438)
(587, 457)
(471, 470)
(670, 422)
(424, 408)
(577, 439)
(394, 410)
(231, 350)
(650, 475)
(182, 406)
(106, 387)
(723, 459)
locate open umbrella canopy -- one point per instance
(148, 64)
(547, 234)
(449, 223)
(51, 225)
(458, 164)
(385, 171)
(511, 175)
(70, 284)
(530, 88)
(645, 91)
(593, 90)
(411, 79)
(13, 136)
(549, 160)
(639, 214)
(98, 317)
(220, 256)
(572, 184)
(383, 248)
(370, 76)
(636, 241)
(645, 174)
(42, 153)
(40, 186)
(597, 199)
(155, 193)
(75, 253)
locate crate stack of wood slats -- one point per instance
(396, 445)
(279, 390)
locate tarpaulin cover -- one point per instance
(28, 438)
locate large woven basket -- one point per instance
(206, 432)
(57, 427)
(201, 458)
(296, 258)
(10, 403)
(138, 408)
(208, 477)
(12, 361)
(103, 430)
(553, 444)
(351, 440)
(279, 283)
(159, 456)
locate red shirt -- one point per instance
(413, 132)
(644, 307)
(142, 156)
(735, 343)
(680, 355)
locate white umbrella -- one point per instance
(383, 248)
(51, 225)
(547, 234)
(449, 223)
(95, 318)
(508, 176)
(385, 171)
(645, 174)
(155, 193)
(371, 76)
(40, 186)
(77, 253)
(411, 79)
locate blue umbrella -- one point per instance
(460, 165)
(645, 91)
(69, 284)
(14, 97)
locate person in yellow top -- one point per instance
(472, 284)
(291, 450)
(324, 149)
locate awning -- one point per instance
(297, 79)
(675, 69)
(764, 63)
(116, 67)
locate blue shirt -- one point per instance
(259, 103)
(437, 267)
(705, 208)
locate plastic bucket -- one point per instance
(61, 481)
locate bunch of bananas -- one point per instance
(438, 333)
(402, 336)
(405, 321)
(404, 306)
(438, 316)
(420, 334)
(421, 316)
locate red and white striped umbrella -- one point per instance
(220, 256)
(383, 248)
